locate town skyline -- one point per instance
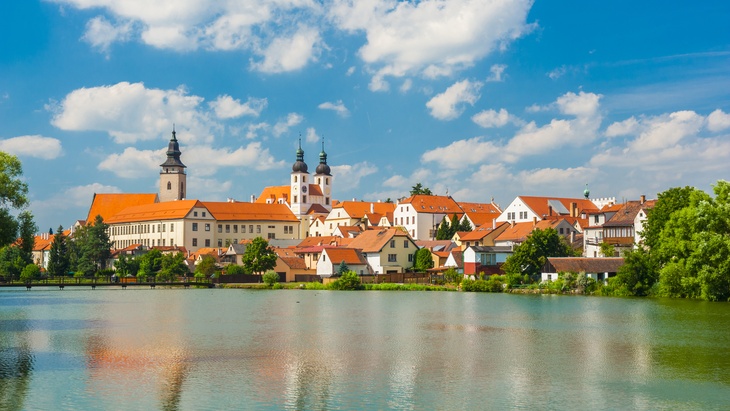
(525, 100)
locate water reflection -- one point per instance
(16, 365)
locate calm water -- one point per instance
(236, 349)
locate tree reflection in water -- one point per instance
(16, 365)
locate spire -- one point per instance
(173, 152)
(323, 168)
(300, 165)
(586, 192)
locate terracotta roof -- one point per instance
(445, 245)
(581, 264)
(315, 190)
(518, 232)
(317, 241)
(108, 205)
(317, 209)
(626, 215)
(479, 233)
(170, 249)
(358, 209)
(212, 251)
(372, 241)
(274, 193)
(348, 255)
(168, 210)
(433, 204)
(241, 211)
(480, 213)
(540, 205)
(296, 263)
(41, 242)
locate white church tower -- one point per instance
(173, 180)
(323, 179)
(300, 184)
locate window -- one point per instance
(286, 229)
(295, 179)
(488, 259)
(304, 179)
(295, 199)
(392, 243)
(207, 242)
(258, 229)
(304, 199)
(243, 228)
(405, 243)
(327, 201)
(169, 185)
(203, 213)
(392, 258)
(163, 228)
(159, 228)
(595, 219)
(250, 228)
(195, 213)
(410, 258)
(207, 226)
(172, 227)
(195, 242)
(271, 227)
(220, 228)
(271, 236)
(195, 226)
(171, 242)
(220, 242)
(235, 229)
(228, 228)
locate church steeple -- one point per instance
(323, 168)
(299, 166)
(172, 172)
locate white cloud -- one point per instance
(557, 72)
(430, 38)
(312, 136)
(396, 181)
(718, 121)
(352, 174)
(667, 130)
(622, 128)
(226, 107)
(350, 71)
(101, 33)
(407, 84)
(77, 196)
(492, 118)
(337, 107)
(283, 126)
(289, 53)
(449, 104)
(462, 153)
(133, 163)
(556, 177)
(130, 112)
(45, 148)
(491, 173)
(497, 71)
(252, 130)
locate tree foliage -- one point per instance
(30, 272)
(258, 256)
(419, 189)
(343, 268)
(530, 256)
(347, 281)
(150, 264)
(92, 247)
(422, 260)
(26, 229)
(172, 266)
(11, 262)
(58, 258)
(270, 278)
(13, 195)
(231, 269)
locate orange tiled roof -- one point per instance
(626, 215)
(358, 209)
(274, 193)
(43, 242)
(433, 204)
(317, 209)
(370, 241)
(168, 210)
(315, 190)
(241, 211)
(350, 256)
(108, 205)
(324, 240)
(541, 207)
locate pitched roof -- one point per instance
(319, 241)
(480, 232)
(350, 256)
(436, 245)
(626, 215)
(582, 264)
(358, 209)
(372, 241)
(290, 258)
(43, 242)
(168, 210)
(518, 232)
(107, 205)
(274, 193)
(433, 204)
(241, 211)
(317, 209)
(541, 205)
(480, 213)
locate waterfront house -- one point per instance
(599, 269)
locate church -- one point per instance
(169, 219)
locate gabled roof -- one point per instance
(433, 204)
(317, 209)
(42, 242)
(436, 245)
(626, 215)
(582, 264)
(358, 209)
(372, 241)
(274, 193)
(542, 205)
(518, 232)
(482, 231)
(480, 213)
(319, 241)
(168, 210)
(290, 258)
(108, 205)
(350, 256)
(240, 211)
(315, 190)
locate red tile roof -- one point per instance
(168, 210)
(433, 204)
(241, 211)
(541, 207)
(107, 205)
(350, 256)
(374, 240)
(358, 209)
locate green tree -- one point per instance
(150, 264)
(172, 266)
(453, 276)
(419, 189)
(233, 269)
(58, 259)
(343, 268)
(92, 247)
(206, 266)
(530, 256)
(667, 203)
(8, 228)
(454, 225)
(465, 225)
(607, 250)
(348, 281)
(127, 265)
(444, 233)
(638, 274)
(13, 194)
(27, 229)
(11, 262)
(30, 272)
(422, 260)
(258, 256)
(270, 278)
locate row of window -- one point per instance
(405, 243)
(511, 215)
(141, 229)
(148, 242)
(288, 229)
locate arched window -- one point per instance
(169, 185)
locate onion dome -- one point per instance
(323, 168)
(299, 166)
(173, 153)
(586, 192)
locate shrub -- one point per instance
(315, 285)
(30, 272)
(235, 269)
(452, 276)
(348, 281)
(270, 278)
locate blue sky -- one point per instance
(479, 99)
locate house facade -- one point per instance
(421, 215)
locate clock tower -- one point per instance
(299, 186)
(323, 178)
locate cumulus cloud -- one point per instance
(407, 84)
(462, 153)
(101, 33)
(622, 128)
(133, 163)
(430, 38)
(450, 104)
(130, 112)
(252, 130)
(718, 121)
(338, 107)
(226, 107)
(492, 118)
(283, 126)
(46, 148)
(77, 196)
(289, 53)
(497, 70)
(312, 136)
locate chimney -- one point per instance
(642, 199)
(534, 221)
(572, 209)
(372, 208)
(494, 224)
(572, 236)
(550, 210)
(253, 198)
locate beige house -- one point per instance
(388, 250)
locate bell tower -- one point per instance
(299, 184)
(173, 180)
(323, 178)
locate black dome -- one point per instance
(299, 167)
(323, 168)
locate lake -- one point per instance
(212, 349)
